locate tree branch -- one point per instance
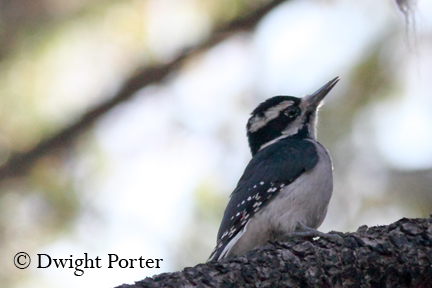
(397, 255)
(18, 163)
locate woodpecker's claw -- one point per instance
(311, 232)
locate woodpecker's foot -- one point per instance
(311, 232)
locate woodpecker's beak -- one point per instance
(315, 99)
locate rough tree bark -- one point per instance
(397, 255)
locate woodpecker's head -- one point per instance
(284, 116)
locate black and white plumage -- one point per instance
(287, 185)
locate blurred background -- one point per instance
(122, 123)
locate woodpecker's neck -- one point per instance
(305, 132)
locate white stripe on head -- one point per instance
(272, 141)
(295, 126)
(258, 122)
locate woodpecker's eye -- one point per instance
(291, 113)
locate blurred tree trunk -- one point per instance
(397, 255)
(18, 164)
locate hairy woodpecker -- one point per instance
(286, 187)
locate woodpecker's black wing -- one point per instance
(271, 169)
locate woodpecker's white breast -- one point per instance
(303, 201)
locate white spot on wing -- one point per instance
(224, 234)
(232, 242)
